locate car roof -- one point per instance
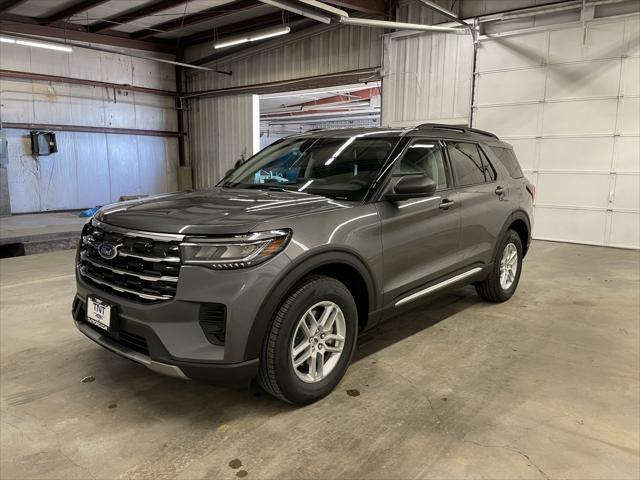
(452, 132)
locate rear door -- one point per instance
(421, 236)
(484, 197)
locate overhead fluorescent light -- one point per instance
(7, 40)
(231, 43)
(269, 34)
(254, 37)
(48, 46)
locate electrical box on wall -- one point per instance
(43, 143)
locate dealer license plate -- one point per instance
(99, 313)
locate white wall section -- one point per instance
(567, 99)
(90, 168)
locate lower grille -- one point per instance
(134, 342)
(124, 338)
(139, 266)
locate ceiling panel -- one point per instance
(106, 10)
(40, 8)
(172, 13)
(237, 17)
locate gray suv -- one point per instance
(273, 274)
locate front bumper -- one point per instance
(232, 373)
(169, 335)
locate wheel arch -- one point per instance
(342, 264)
(519, 222)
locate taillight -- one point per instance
(532, 191)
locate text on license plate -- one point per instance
(98, 313)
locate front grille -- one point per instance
(145, 269)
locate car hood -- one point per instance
(215, 212)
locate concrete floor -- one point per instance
(544, 386)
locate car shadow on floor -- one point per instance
(420, 317)
(162, 396)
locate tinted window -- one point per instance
(343, 167)
(466, 163)
(424, 157)
(489, 171)
(509, 160)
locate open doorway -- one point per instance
(287, 113)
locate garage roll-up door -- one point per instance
(567, 99)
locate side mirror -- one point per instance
(235, 167)
(412, 186)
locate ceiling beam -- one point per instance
(10, 23)
(197, 17)
(6, 5)
(375, 7)
(134, 14)
(71, 10)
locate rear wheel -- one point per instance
(310, 343)
(503, 280)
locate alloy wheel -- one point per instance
(318, 341)
(508, 266)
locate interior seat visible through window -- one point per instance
(424, 157)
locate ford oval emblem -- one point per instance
(108, 251)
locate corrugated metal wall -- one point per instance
(427, 76)
(89, 168)
(221, 132)
(322, 50)
(221, 128)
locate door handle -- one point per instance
(500, 191)
(446, 204)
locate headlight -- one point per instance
(237, 252)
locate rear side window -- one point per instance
(509, 160)
(468, 164)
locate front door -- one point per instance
(421, 236)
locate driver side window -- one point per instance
(424, 157)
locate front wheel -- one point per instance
(311, 341)
(503, 280)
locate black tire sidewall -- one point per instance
(294, 389)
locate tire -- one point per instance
(492, 288)
(311, 299)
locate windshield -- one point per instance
(342, 168)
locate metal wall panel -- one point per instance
(221, 133)
(568, 100)
(427, 78)
(222, 129)
(89, 169)
(323, 50)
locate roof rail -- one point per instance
(441, 126)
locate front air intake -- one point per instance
(213, 321)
